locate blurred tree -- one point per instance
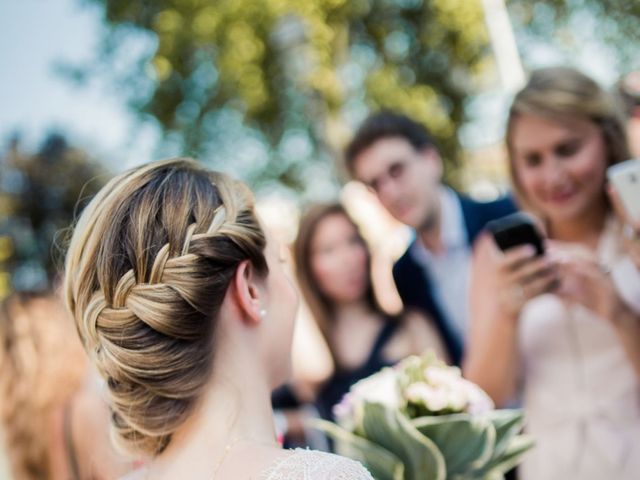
(613, 22)
(295, 75)
(39, 196)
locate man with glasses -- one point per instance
(397, 159)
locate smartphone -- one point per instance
(625, 178)
(515, 230)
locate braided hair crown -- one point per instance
(147, 269)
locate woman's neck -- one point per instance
(235, 408)
(354, 312)
(585, 229)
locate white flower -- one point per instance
(381, 387)
(479, 401)
(417, 392)
(457, 400)
(444, 388)
(433, 398)
(437, 399)
(410, 362)
(445, 376)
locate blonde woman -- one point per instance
(54, 421)
(560, 324)
(184, 305)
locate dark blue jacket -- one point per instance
(414, 284)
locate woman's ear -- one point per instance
(248, 290)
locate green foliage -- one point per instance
(382, 464)
(452, 447)
(309, 68)
(272, 89)
(39, 196)
(393, 431)
(466, 442)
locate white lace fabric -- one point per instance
(315, 465)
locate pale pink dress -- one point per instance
(581, 394)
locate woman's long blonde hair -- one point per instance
(562, 94)
(147, 270)
(42, 366)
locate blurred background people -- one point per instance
(333, 264)
(628, 88)
(54, 419)
(398, 160)
(557, 323)
(630, 229)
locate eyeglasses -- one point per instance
(395, 172)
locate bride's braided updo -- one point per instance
(147, 270)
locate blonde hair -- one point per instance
(562, 94)
(147, 269)
(42, 365)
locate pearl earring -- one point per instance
(263, 313)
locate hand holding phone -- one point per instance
(515, 230)
(521, 275)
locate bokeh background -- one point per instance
(270, 91)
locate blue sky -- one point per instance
(34, 34)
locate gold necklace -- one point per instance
(227, 448)
(232, 444)
(225, 452)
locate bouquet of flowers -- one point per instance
(420, 420)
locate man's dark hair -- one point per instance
(386, 124)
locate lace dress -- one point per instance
(315, 465)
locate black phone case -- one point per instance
(515, 230)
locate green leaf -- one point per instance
(382, 464)
(511, 457)
(507, 424)
(394, 432)
(466, 441)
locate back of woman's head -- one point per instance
(41, 366)
(147, 270)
